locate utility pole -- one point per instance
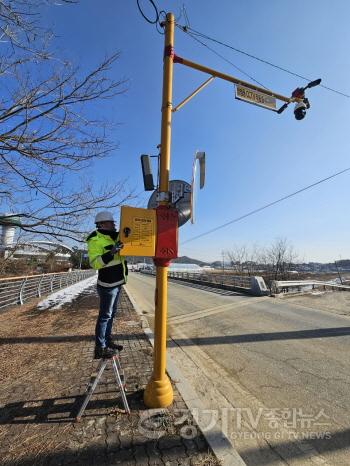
(159, 392)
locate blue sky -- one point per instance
(254, 156)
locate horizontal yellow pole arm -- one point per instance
(232, 79)
(195, 92)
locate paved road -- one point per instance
(277, 373)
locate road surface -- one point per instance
(274, 374)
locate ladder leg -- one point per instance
(115, 365)
(91, 388)
(120, 370)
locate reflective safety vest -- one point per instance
(112, 269)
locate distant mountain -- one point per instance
(189, 260)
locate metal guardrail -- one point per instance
(219, 279)
(18, 290)
(283, 286)
(252, 285)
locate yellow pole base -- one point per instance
(158, 393)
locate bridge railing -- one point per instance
(252, 285)
(18, 290)
(286, 286)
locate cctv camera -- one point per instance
(300, 109)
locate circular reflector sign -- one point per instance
(180, 198)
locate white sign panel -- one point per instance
(254, 97)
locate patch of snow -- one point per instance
(57, 299)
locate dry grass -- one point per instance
(335, 302)
(25, 337)
(34, 346)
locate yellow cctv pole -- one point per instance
(159, 392)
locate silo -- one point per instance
(9, 223)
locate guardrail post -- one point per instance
(51, 282)
(21, 301)
(39, 286)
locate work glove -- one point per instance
(117, 247)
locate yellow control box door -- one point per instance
(137, 231)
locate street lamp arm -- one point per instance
(232, 79)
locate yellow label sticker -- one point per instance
(142, 232)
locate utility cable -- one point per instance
(221, 56)
(144, 16)
(266, 62)
(158, 21)
(255, 211)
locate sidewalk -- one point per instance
(46, 363)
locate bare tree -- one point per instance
(280, 256)
(253, 260)
(238, 256)
(46, 135)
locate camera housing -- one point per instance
(300, 109)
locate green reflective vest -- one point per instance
(112, 269)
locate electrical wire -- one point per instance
(266, 62)
(144, 16)
(185, 15)
(158, 22)
(222, 57)
(255, 211)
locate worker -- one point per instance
(103, 250)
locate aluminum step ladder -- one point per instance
(119, 378)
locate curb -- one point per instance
(216, 439)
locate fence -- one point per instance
(252, 285)
(296, 286)
(18, 290)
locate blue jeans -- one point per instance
(108, 308)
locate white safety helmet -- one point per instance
(104, 216)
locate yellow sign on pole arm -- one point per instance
(255, 97)
(137, 231)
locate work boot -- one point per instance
(114, 346)
(104, 353)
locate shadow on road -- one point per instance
(332, 332)
(62, 338)
(262, 337)
(337, 441)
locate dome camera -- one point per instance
(300, 109)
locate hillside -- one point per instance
(189, 260)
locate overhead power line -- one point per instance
(157, 18)
(222, 57)
(255, 211)
(150, 21)
(192, 31)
